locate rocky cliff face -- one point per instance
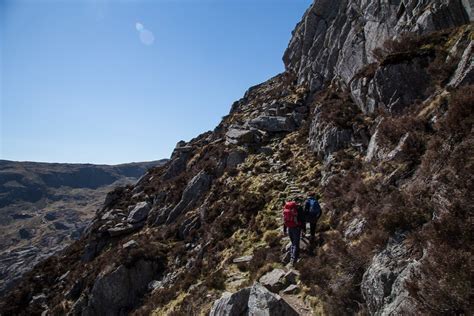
(336, 39)
(374, 112)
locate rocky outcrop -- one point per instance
(265, 303)
(139, 213)
(231, 304)
(355, 228)
(464, 74)
(325, 139)
(336, 38)
(393, 87)
(193, 191)
(122, 229)
(385, 282)
(116, 292)
(278, 279)
(256, 300)
(235, 158)
(240, 136)
(469, 7)
(179, 157)
(273, 123)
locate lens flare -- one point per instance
(145, 36)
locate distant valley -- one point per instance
(45, 206)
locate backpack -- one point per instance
(314, 209)
(290, 215)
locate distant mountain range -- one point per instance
(44, 206)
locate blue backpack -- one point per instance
(314, 209)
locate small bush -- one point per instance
(260, 258)
(409, 46)
(367, 71)
(460, 116)
(337, 108)
(272, 238)
(216, 280)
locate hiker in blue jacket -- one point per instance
(312, 211)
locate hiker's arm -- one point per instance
(284, 229)
(301, 217)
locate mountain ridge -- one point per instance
(45, 206)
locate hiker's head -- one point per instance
(314, 195)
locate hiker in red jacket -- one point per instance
(293, 219)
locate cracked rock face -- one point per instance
(239, 136)
(273, 123)
(464, 74)
(231, 304)
(139, 213)
(256, 300)
(116, 292)
(384, 284)
(193, 191)
(325, 137)
(389, 88)
(336, 38)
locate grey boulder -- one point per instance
(291, 289)
(273, 123)
(262, 302)
(326, 138)
(243, 259)
(274, 280)
(464, 74)
(253, 301)
(195, 189)
(231, 304)
(139, 213)
(240, 136)
(235, 158)
(118, 291)
(120, 230)
(385, 283)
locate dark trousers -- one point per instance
(312, 227)
(295, 235)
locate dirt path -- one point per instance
(298, 304)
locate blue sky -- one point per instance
(105, 81)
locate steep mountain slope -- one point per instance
(374, 112)
(44, 206)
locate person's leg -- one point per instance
(312, 232)
(312, 229)
(291, 234)
(297, 244)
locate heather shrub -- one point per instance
(272, 238)
(261, 257)
(410, 45)
(337, 108)
(460, 115)
(215, 280)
